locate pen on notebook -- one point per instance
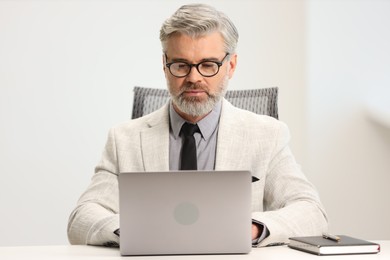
(331, 237)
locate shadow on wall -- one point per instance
(379, 116)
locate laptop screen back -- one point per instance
(190, 212)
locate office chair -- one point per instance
(260, 101)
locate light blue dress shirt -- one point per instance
(206, 140)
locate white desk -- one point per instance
(103, 253)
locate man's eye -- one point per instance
(180, 66)
(208, 65)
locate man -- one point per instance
(199, 58)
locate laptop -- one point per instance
(185, 212)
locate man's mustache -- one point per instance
(192, 86)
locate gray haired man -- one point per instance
(199, 57)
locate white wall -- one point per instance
(348, 154)
(66, 73)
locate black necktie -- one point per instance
(188, 150)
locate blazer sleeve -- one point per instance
(291, 203)
(96, 216)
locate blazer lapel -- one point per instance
(231, 142)
(155, 141)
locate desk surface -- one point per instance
(104, 253)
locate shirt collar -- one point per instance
(207, 125)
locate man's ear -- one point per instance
(232, 65)
(163, 62)
(164, 67)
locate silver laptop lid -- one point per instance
(188, 212)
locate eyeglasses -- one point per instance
(181, 69)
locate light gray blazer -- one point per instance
(282, 199)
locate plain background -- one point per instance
(67, 69)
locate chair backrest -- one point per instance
(262, 101)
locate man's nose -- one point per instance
(194, 75)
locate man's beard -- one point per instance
(195, 106)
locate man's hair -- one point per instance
(197, 20)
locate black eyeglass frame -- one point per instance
(219, 64)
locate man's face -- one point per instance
(195, 95)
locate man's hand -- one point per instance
(256, 231)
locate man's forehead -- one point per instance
(182, 46)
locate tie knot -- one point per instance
(189, 129)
